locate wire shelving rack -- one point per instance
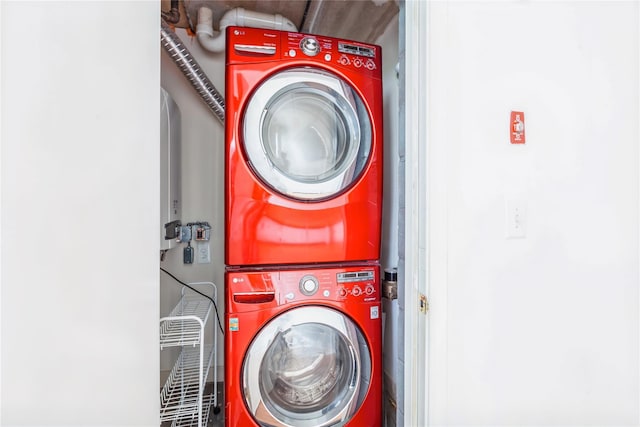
(182, 399)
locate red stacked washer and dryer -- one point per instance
(303, 196)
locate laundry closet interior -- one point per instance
(284, 179)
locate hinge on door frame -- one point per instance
(424, 304)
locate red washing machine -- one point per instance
(304, 149)
(303, 347)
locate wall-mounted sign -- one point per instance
(517, 127)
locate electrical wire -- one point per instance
(215, 306)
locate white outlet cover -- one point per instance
(516, 219)
(203, 253)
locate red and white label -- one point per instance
(517, 127)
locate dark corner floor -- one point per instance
(214, 419)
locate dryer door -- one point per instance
(307, 134)
(308, 367)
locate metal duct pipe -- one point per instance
(192, 71)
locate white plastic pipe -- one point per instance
(215, 41)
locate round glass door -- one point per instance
(309, 367)
(307, 134)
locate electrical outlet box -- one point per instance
(390, 284)
(201, 233)
(187, 254)
(390, 290)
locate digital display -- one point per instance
(355, 277)
(356, 50)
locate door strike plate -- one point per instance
(424, 304)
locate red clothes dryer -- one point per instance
(303, 347)
(303, 149)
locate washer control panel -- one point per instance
(340, 285)
(248, 290)
(336, 284)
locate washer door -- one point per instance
(307, 134)
(308, 367)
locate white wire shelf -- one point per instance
(182, 399)
(192, 421)
(181, 394)
(185, 323)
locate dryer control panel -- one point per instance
(254, 45)
(356, 56)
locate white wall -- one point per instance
(388, 41)
(542, 330)
(80, 280)
(202, 182)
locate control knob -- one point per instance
(344, 60)
(310, 46)
(356, 291)
(308, 285)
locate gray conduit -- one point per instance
(192, 71)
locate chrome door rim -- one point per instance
(330, 416)
(323, 85)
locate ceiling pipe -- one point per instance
(192, 71)
(215, 41)
(173, 16)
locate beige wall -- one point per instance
(202, 183)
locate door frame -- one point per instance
(425, 207)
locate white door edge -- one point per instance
(416, 362)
